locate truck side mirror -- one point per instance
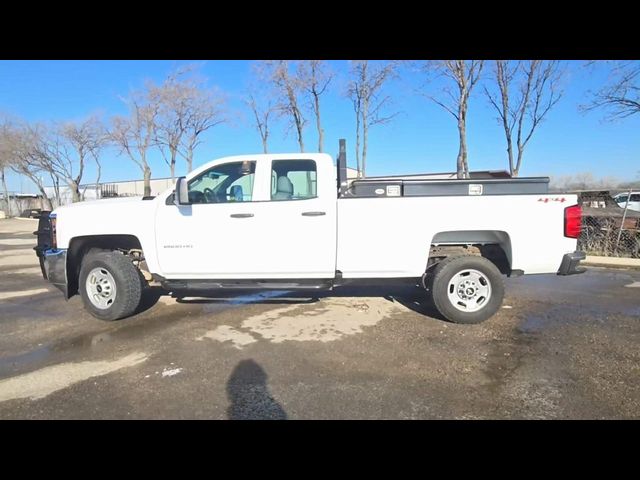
(181, 196)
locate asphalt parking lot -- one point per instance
(559, 348)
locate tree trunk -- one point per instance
(364, 149)
(147, 181)
(6, 193)
(461, 162)
(75, 190)
(316, 99)
(300, 140)
(365, 132)
(264, 145)
(189, 160)
(358, 143)
(172, 165)
(515, 171)
(46, 201)
(99, 168)
(56, 188)
(510, 155)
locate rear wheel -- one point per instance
(110, 285)
(467, 289)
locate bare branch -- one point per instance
(528, 91)
(261, 113)
(135, 135)
(287, 90)
(365, 91)
(464, 75)
(314, 77)
(620, 96)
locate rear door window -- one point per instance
(293, 180)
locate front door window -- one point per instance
(226, 183)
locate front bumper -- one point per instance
(570, 262)
(53, 264)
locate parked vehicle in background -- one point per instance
(603, 230)
(31, 213)
(633, 198)
(292, 222)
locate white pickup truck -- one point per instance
(294, 221)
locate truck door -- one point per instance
(296, 225)
(215, 236)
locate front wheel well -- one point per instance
(80, 246)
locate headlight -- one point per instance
(54, 240)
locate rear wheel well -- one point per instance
(80, 246)
(491, 251)
(494, 245)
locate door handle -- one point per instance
(313, 214)
(241, 215)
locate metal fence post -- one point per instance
(624, 216)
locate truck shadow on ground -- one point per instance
(422, 305)
(150, 297)
(249, 394)
(412, 298)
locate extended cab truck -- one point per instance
(291, 221)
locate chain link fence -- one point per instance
(607, 229)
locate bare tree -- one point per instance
(5, 163)
(365, 91)
(4, 166)
(314, 77)
(21, 144)
(287, 90)
(171, 103)
(261, 113)
(621, 95)
(355, 93)
(523, 94)
(185, 108)
(205, 110)
(465, 75)
(135, 135)
(96, 158)
(66, 149)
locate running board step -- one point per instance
(246, 285)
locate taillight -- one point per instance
(572, 221)
(54, 240)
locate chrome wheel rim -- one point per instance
(101, 288)
(469, 290)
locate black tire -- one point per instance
(129, 284)
(439, 283)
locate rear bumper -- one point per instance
(570, 262)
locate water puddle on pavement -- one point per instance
(22, 293)
(43, 382)
(257, 297)
(327, 320)
(535, 324)
(24, 361)
(8, 365)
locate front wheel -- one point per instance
(467, 289)
(110, 285)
